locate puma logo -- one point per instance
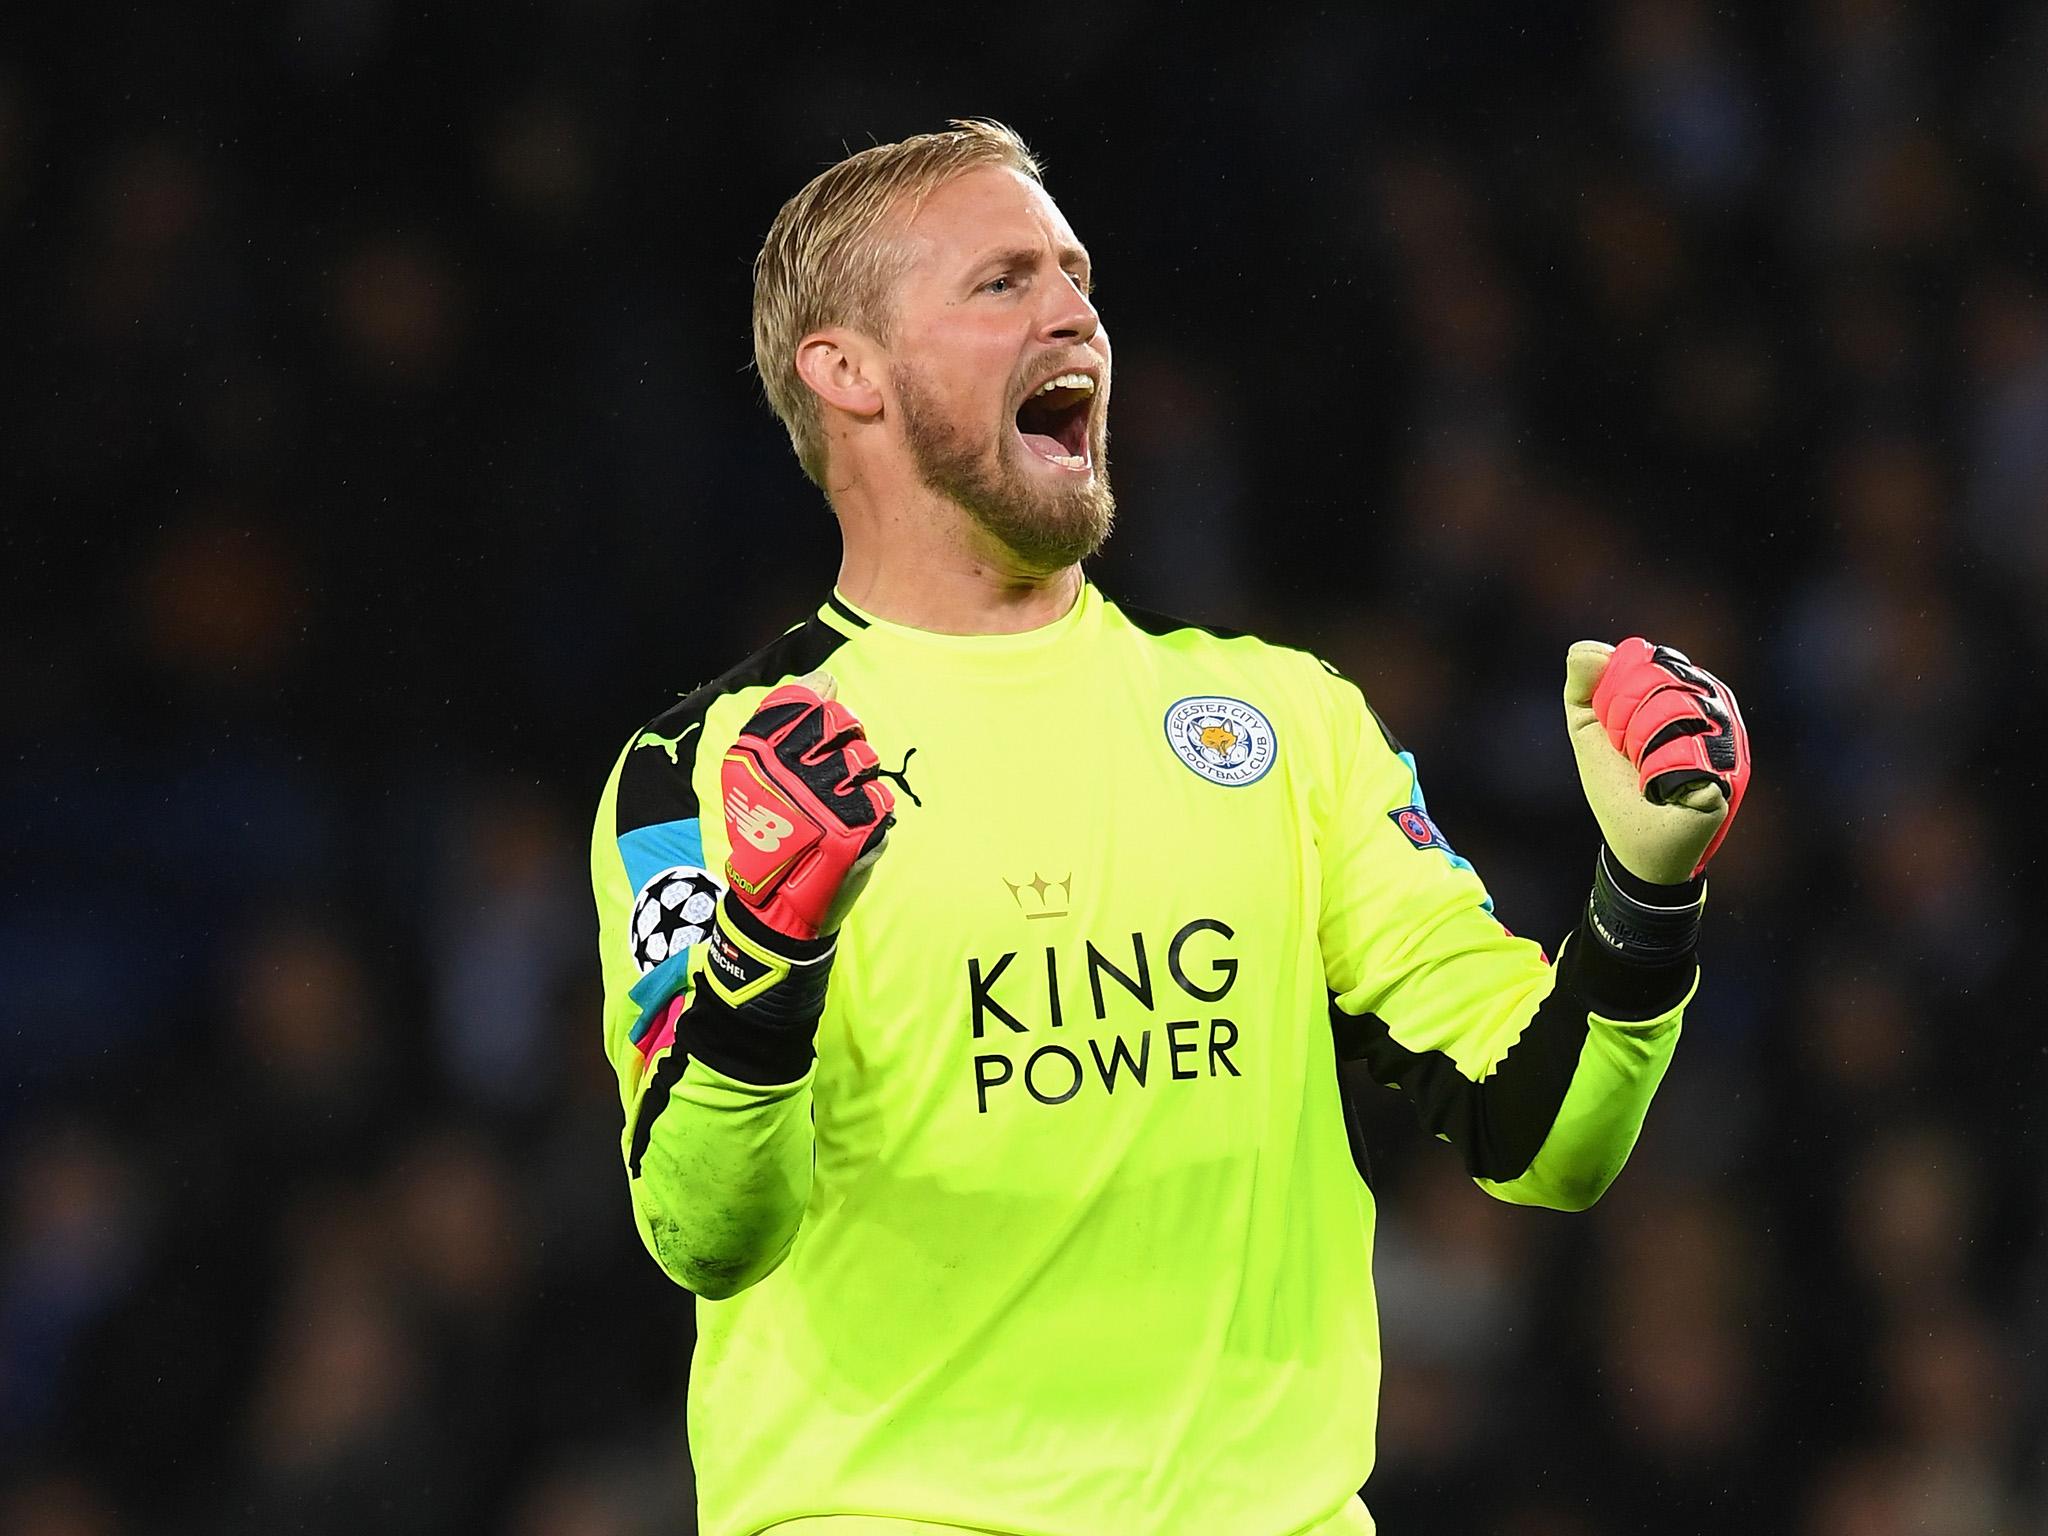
(668, 744)
(898, 774)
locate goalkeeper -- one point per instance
(979, 955)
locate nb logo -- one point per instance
(756, 823)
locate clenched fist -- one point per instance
(1663, 754)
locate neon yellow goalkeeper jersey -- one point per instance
(1066, 1230)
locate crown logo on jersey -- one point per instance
(1042, 902)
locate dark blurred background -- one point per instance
(379, 428)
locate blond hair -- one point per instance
(823, 263)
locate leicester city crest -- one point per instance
(1225, 740)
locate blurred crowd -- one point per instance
(378, 421)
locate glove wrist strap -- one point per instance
(759, 997)
(779, 978)
(1649, 924)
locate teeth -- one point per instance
(1067, 460)
(1079, 381)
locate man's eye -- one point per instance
(998, 285)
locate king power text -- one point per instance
(1024, 993)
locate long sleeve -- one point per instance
(717, 1142)
(1539, 1075)
(721, 1185)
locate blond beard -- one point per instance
(1047, 529)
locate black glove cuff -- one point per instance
(771, 1037)
(743, 1043)
(806, 965)
(1641, 922)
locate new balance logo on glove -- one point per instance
(756, 823)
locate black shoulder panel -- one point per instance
(1165, 624)
(654, 786)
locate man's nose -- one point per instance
(1071, 317)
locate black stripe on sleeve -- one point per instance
(749, 1049)
(654, 1101)
(1498, 1126)
(1393, 743)
(652, 788)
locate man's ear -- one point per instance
(844, 369)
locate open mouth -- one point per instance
(1053, 420)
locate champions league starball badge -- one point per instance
(1225, 740)
(672, 912)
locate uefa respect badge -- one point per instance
(1225, 740)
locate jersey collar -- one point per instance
(1047, 641)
